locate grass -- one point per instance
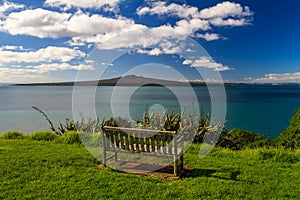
(31, 169)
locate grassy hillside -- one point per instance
(32, 169)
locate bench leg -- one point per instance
(181, 161)
(175, 165)
(104, 157)
(116, 156)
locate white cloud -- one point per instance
(222, 10)
(67, 4)
(223, 14)
(7, 7)
(225, 10)
(160, 8)
(43, 68)
(229, 22)
(37, 73)
(276, 78)
(48, 54)
(120, 32)
(193, 20)
(50, 24)
(206, 62)
(38, 22)
(11, 47)
(13, 75)
(208, 36)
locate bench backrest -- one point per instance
(141, 140)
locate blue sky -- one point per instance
(243, 41)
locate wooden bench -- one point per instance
(150, 142)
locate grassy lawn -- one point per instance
(47, 170)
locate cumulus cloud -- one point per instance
(107, 32)
(19, 65)
(7, 7)
(120, 32)
(48, 54)
(206, 62)
(229, 22)
(50, 24)
(161, 8)
(208, 36)
(11, 47)
(137, 35)
(276, 78)
(67, 4)
(38, 22)
(221, 11)
(224, 10)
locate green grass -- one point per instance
(32, 169)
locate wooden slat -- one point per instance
(136, 140)
(126, 141)
(115, 140)
(147, 144)
(141, 136)
(121, 140)
(153, 144)
(131, 141)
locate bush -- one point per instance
(44, 135)
(71, 137)
(290, 137)
(237, 139)
(12, 135)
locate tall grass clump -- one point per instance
(278, 155)
(12, 135)
(290, 137)
(44, 136)
(71, 137)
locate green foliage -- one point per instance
(43, 135)
(167, 122)
(12, 135)
(202, 128)
(290, 137)
(71, 137)
(237, 139)
(278, 155)
(170, 121)
(87, 126)
(118, 122)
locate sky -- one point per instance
(253, 41)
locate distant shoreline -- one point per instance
(130, 80)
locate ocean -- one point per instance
(265, 109)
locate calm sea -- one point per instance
(259, 108)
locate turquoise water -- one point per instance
(260, 108)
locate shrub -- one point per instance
(12, 135)
(237, 139)
(44, 135)
(71, 137)
(290, 137)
